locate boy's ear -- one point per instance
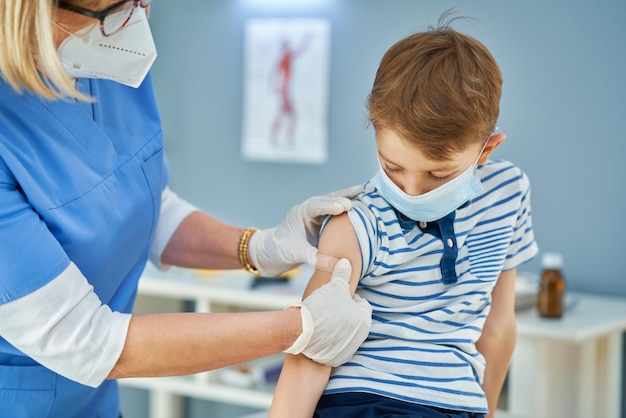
(492, 143)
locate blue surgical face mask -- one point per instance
(434, 204)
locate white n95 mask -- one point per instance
(433, 205)
(125, 56)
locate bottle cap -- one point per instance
(552, 261)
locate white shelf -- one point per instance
(224, 288)
(586, 317)
(254, 398)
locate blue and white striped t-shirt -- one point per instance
(421, 347)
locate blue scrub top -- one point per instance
(79, 182)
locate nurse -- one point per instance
(84, 204)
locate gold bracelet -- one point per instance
(243, 250)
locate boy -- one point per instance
(434, 240)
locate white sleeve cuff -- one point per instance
(173, 211)
(65, 327)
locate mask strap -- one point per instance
(79, 33)
(63, 28)
(481, 151)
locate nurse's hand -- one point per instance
(334, 324)
(293, 242)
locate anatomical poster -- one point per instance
(285, 106)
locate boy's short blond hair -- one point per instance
(437, 89)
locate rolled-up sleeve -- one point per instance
(64, 326)
(173, 211)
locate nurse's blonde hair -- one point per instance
(28, 55)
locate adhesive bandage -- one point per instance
(325, 263)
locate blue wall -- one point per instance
(562, 109)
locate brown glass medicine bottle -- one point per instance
(552, 286)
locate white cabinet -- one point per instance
(570, 367)
(179, 289)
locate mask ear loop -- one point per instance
(481, 151)
(81, 33)
(63, 28)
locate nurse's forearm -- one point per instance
(186, 343)
(202, 241)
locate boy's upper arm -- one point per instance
(338, 240)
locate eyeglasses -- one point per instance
(113, 18)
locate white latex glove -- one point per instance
(294, 241)
(334, 324)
